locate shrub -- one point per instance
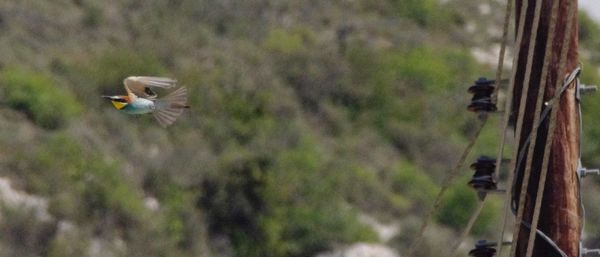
(303, 64)
(24, 232)
(93, 16)
(48, 105)
(422, 68)
(105, 72)
(589, 31)
(284, 42)
(81, 184)
(69, 241)
(177, 208)
(591, 125)
(403, 86)
(421, 11)
(459, 204)
(425, 13)
(283, 205)
(305, 216)
(415, 185)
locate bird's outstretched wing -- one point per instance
(141, 86)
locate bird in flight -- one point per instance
(141, 99)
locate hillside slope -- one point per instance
(309, 120)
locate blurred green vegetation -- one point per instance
(426, 13)
(39, 97)
(103, 73)
(461, 195)
(589, 34)
(81, 184)
(306, 117)
(415, 185)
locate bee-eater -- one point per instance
(141, 99)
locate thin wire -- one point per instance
(468, 228)
(499, 70)
(582, 227)
(517, 51)
(540, 99)
(572, 76)
(553, 114)
(548, 240)
(502, 53)
(544, 115)
(507, 112)
(524, 93)
(445, 185)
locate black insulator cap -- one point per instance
(484, 162)
(482, 249)
(481, 183)
(482, 96)
(482, 179)
(482, 85)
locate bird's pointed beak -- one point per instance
(106, 97)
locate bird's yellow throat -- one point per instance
(119, 105)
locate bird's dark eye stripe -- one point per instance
(120, 100)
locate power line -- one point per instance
(445, 185)
(461, 161)
(517, 50)
(550, 135)
(524, 93)
(507, 108)
(532, 135)
(468, 228)
(538, 120)
(502, 53)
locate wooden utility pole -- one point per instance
(560, 215)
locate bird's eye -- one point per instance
(120, 100)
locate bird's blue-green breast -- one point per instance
(139, 106)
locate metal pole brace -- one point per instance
(585, 171)
(587, 89)
(582, 171)
(482, 193)
(589, 252)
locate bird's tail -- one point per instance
(168, 108)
